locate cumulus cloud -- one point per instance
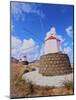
(65, 44)
(30, 43)
(42, 50)
(15, 46)
(25, 47)
(69, 31)
(16, 43)
(17, 9)
(67, 50)
(61, 38)
(53, 31)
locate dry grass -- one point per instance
(20, 88)
(69, 85)
(51, 91)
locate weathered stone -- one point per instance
(55, 64)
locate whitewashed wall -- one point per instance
(51, 46)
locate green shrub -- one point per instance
(69, 85)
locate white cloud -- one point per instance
(17, 9)
(16, 53)
(15, 46)
(67, 50)
(53, 31)
(16, 43)
(26, 7)
(61, 48)
(25, 47)
(61, 38)
(69, 31)
(65, 44)
(30, 43)
(42, 50)
(31, 8)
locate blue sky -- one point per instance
(30, 23)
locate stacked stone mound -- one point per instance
(54, 64)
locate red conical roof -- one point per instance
(52, 37)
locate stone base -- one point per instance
(54, 64)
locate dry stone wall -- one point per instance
(54, 64)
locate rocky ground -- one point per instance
(36, 78)
(21, 88)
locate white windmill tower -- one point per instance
(52, 43)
